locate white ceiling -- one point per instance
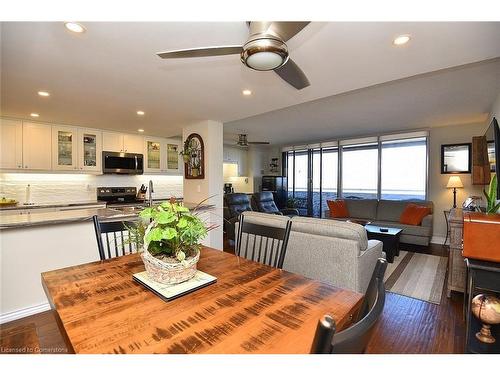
(454, 96)
(102, 77)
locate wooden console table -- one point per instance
(456, 262)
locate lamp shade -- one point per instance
(454, 182)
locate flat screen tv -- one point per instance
(493, 141)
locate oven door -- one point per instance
(122, 163)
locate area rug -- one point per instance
(416, 275)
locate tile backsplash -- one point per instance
(47, 188)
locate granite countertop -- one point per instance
(21, 206)
(9, 220)
(59, 217)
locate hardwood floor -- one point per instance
(407, 325)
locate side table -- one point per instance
(482, 277)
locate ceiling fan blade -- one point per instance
(292, 74)
(201, 52)
(258, 143)
(287, 30)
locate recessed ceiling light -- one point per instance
(140, 130)
(246, 92)
(401, 39)
(43, 93)
(34, 115)
(140, 113)
(74, 27)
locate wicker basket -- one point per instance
(169, 273)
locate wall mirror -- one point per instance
(456, 158)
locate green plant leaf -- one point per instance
(494, 209)
(155, 234)
(169, 233)
(182, 208)
(165, 217)
(182, 222)
(146, 213)
(166, 205)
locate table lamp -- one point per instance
(454, 182)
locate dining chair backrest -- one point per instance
(262, 243)
(355, 339)
(113, 238)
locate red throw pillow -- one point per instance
(413, 214)
(337, 208)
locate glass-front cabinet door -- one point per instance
(153, 157)
(89, 150)
(173, 164)
(64, 150)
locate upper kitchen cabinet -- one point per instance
(11, 144)
(173, 161)
(90, 150)
(119, 142)
(133, 143)
(64, 148)
(112, 141)
(153, 155)
(162, 156)
(37, 149)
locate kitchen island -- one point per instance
(43, 241)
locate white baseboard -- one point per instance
(438, 240)
(24, 312)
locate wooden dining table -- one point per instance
(252, 308)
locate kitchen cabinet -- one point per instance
(238, 156)
(133, 143)
(37, 146)
(162, 156)
(153, 155)
(119, 142)
(64, 148)
(90, 150)
(173, 161)
(11, 144)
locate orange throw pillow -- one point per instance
(413, 214)
(337, 208)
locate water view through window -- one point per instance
(313, 174)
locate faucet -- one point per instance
(151, 191)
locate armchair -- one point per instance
(234, 205)
(264, 202)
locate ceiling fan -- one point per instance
(243, 142)
(265, 49)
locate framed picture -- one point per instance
(456, 158)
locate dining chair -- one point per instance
(262, 243)
(354, 339)
(113, 238)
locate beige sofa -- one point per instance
(386, 213)
(331, 251)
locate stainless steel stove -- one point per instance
(120, 197)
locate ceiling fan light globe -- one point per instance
(264, 61)
(264, 54)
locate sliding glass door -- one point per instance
(312, 179)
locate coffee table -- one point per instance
(390, 239)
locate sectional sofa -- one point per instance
(386, 213)
(331, 251)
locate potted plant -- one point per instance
(491, 197)
(187, 150)
(170, 242)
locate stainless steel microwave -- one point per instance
(122, 163)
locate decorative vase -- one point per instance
(487, 309)
(194, 172)
(169, 273)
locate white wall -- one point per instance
(67, 188)
(438, 193)
(212, 185)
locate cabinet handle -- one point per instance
(25, 166)
(19, 166)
